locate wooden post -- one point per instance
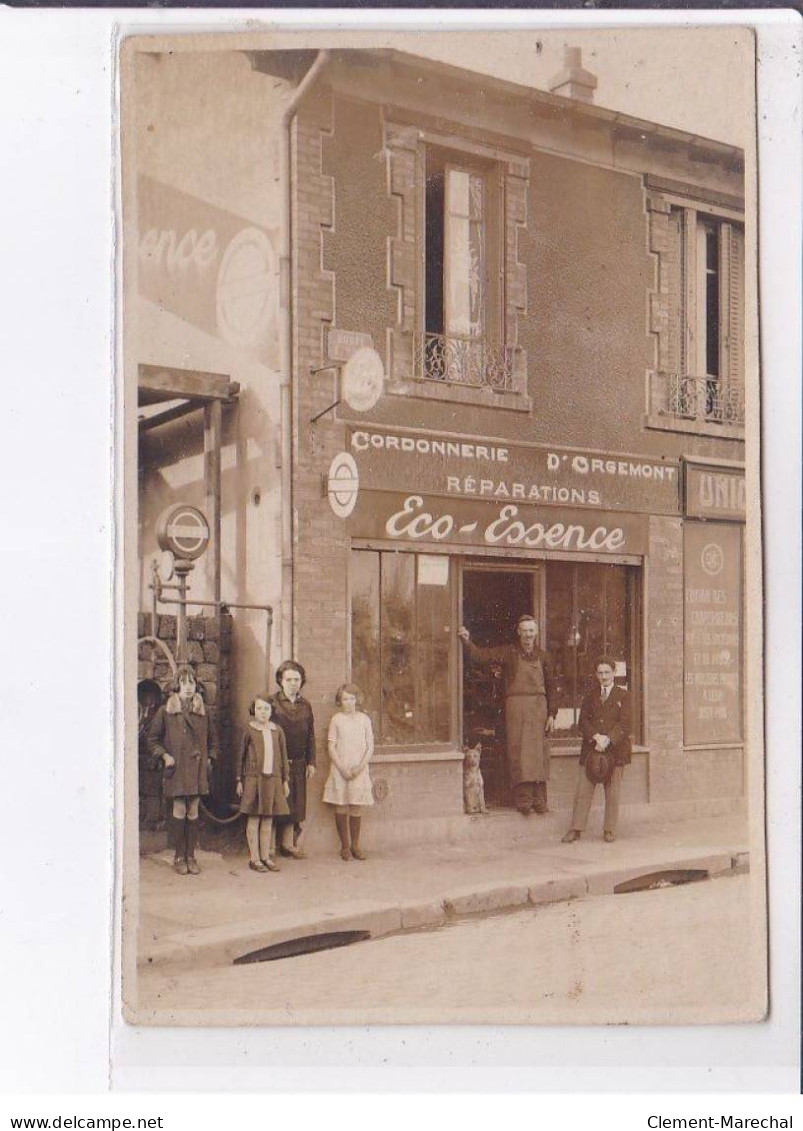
(212, 442)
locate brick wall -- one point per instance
(663, 684)
(320, 544)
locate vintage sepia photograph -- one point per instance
(443, 601)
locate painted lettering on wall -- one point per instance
(715, 493)
(208, 267)
(415, 518)
(447, 465)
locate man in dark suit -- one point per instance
(605, 724)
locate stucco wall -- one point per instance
(206, 128)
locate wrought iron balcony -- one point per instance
(707, 400)
(465, 361)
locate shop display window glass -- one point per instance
(591, 610)
(401, 644)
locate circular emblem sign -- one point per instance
(363, 379)
(246, 287)
(712, 559)
(343, 484)
(183, 530)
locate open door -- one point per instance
(493, 600)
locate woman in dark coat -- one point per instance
(294, 715)
(179, 736)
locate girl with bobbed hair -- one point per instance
(179, 736)
(348, 787)
(263, 781)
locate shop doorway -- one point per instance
(493, 600)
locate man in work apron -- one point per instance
(529, 711)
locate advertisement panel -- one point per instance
(712, 703)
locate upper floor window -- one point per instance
(700, 377)
(463, 272)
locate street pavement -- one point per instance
(682, 954)
(205, 922)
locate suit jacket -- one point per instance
(613, 718)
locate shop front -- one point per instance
(445, 531)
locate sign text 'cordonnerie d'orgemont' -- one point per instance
(540, 476)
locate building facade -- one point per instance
(555, 293)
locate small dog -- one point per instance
(473, 785)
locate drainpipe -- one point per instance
(286, 347)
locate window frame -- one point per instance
(393, 749)
(675, 312)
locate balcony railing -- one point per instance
(704, 400)
(465, 361)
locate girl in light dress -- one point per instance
(348, 787)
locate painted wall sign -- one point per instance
(713, 492)
(712, 703)
(473, 522)
(447, 465)
(341, 344)
(208, 267)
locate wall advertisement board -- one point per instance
(712, 702)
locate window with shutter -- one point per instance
(699, 383)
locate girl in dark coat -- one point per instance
(263, 777)
(294, 715)
(179, 735)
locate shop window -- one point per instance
(591, 611)
(462, 340)
(402, 644)
(702, 264)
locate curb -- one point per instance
(221, 945)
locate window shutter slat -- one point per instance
(674, 285)
(736, 308)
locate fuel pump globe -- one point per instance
(183, 530)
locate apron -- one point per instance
(525, 719)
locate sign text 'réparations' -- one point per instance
(482, 523)
(467, 468)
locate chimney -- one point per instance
(573, 81)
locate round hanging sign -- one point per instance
(343, 484)
(363, 379)
(183, 530)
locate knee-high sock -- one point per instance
(354, 829)
(342, 823)
(179, 835)
(192, 838)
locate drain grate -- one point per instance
(669, 878)
(307, 944)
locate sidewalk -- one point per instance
(229, 910)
